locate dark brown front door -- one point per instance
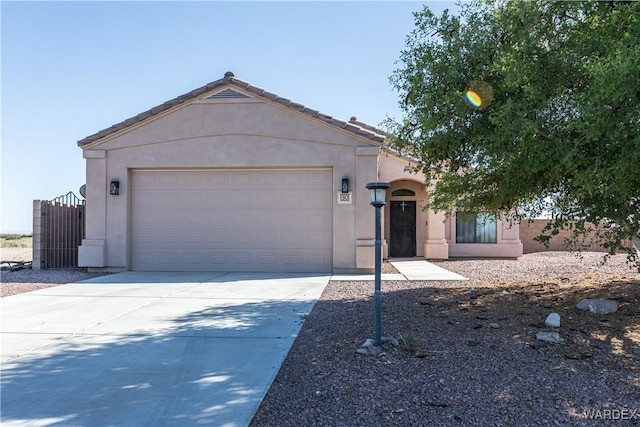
(402, 242)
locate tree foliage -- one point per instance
(560, 132)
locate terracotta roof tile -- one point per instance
(353, 125)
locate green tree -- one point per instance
(557, 130)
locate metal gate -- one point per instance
(61, 230)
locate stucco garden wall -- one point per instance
(530, 230)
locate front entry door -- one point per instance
(402, 242)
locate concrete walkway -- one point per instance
(410, 269)
(149, 349)
(419, 269)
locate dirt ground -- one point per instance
(468, 353)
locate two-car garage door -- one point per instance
(231, 220)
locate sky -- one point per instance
(71, 69)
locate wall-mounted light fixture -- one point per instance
(345, 185)
(114, 188)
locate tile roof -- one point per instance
(353, 126)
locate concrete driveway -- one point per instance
(149, 349)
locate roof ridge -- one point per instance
(353, 126)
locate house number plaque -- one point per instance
(344, 198)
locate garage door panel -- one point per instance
(317, 240)
(317, 199)
(268, 219)
(164, 220)
(168, 239)
(144, 239)
(264, 239)
(265, 260)
(254, 220)
(169, 259)
(237, 219)
(193, 259)
(293, 200)
(147, 200)
(318, 221)
(267, 199)
(194, 238)
(292, 259)
(193, 199)
(216, 179)
(170, 181)
(141, 219)
(242, 199)
(196, 219)
(196, 180)
(216, 238)
(293, 179)
(143, 181)
(319, 179)
(167, 198)
(267, 180)
(292, 220)
(217, 259)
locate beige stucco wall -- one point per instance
(507, 244)
(434, 230)
(258, 133)
(532, 229)
(228, 134)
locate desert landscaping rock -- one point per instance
(491, 376)
(368, 343)
(369, 347)
(494, 325)
(391, 340)
(371, 350)
(552, 337)
(598, 306)
(553, 320)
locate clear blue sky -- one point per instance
(70, 69)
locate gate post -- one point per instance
(36, 259)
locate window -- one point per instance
(403, 192)
(475, 228)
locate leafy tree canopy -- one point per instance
(552, 120)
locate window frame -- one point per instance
(482, 226)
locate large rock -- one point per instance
(598, 306)
(553, 320)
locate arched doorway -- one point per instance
(405, 226)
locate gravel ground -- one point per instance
(468, 354)
(17, 282)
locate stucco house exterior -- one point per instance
(230, 177)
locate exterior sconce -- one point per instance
(345, 185)
(114, 188)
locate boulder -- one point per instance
(552, 337)
(598, 306)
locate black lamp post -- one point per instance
(378, 195)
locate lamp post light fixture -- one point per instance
(378, 195)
